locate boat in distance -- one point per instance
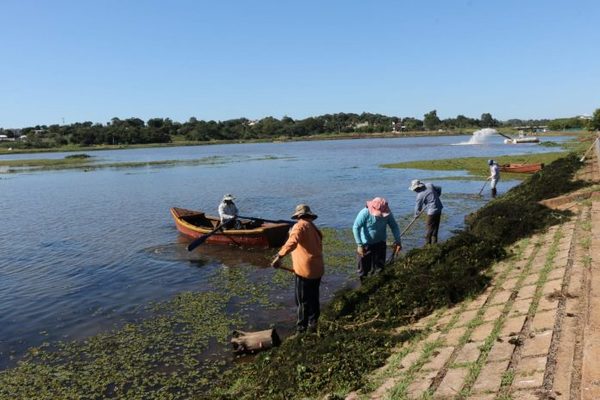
(522, 168)
(253, 233)
(521, 140)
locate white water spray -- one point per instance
(480, 136)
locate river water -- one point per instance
(83, 251)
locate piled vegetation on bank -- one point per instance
(356, 336)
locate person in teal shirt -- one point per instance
(370, 233)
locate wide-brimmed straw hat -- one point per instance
(303, 210)
(416, 184)
(378, 207)
(228, 197)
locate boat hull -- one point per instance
(522, 168)
(195, 224)
(522, 140)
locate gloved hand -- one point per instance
(397, 247)
(360, 250)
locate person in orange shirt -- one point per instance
(305, 242)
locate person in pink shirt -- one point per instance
(305, 243)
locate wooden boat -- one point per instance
(254, 233)
(522, 168)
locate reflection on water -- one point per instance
(207, 254)
(81, 252)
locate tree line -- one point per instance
(163, 130)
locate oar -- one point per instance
(483, 187)
(279, 221)
(197, 242)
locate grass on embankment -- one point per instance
(478, 165)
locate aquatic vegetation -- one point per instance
(550, 144)
(166, 356)
(338, 249)
(82, 161)
(476, 165)
(78, 156)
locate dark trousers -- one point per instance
(307, 300)
(433, 225)
(373, 261)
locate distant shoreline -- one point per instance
(184, 143)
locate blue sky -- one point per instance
(95, 60)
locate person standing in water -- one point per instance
(428, 201)
(305, 243)
(494, 176)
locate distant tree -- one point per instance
(487, 121)
(566, 123)
(412, 124)
(156, 123)
(431, 120)
(594, 123)
(465, 122)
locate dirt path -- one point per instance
(533, 334)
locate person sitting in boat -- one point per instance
(494, 175)
(228, 211)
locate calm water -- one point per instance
(81, 251)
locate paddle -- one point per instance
(197, 242)
(279, 221)
(483, 187)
